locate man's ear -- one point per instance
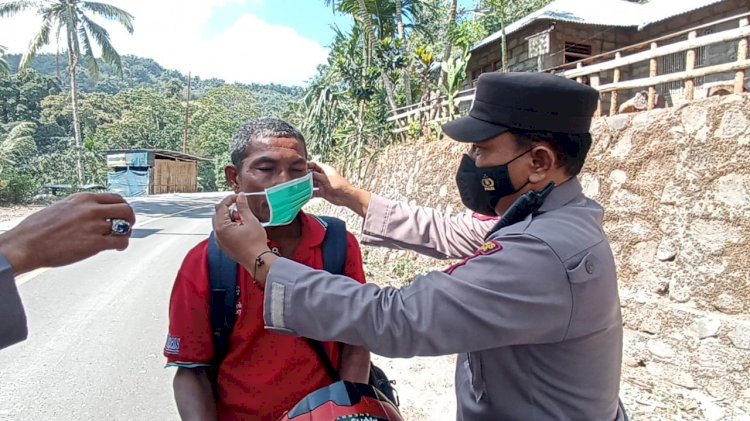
(231, 174)
(543, 160)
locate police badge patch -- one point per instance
(489, 247)
(492, 246)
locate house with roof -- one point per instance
(570, 33)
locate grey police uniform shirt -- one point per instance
(12, 316)
(533, 313)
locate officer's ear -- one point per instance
(543, 160)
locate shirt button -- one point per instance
(590, 267)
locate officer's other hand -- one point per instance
(337, 189)
(67, 231)
(240, 236)
(331, 185)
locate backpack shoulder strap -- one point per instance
(320, 351)
(334, 245)
(334, 260)
(222, 275)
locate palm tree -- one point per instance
(363, 12)
(16, 143)
(72, 19)
(4, 68)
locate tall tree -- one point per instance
(72, 18)
(4, 68)
(363, 12)
(498, 14)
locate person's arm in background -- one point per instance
(66, 232)
(355, 360)
(395, 224)
(193, 394)
(189, 344)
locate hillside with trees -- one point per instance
(396, 53)
(143, 108)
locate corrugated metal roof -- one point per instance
(163, 152)
(612, 13)
(658, 10)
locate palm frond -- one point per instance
(9, 9)
(110, 12)
(4, 68)
(101, 36)
(38, 42)
(88, 54)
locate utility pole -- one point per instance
(187, 118)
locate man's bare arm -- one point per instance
(355, 364)
(194, 395)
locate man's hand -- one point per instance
(242, 238)
(66, 232)
(337, 190)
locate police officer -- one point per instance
(532, 309)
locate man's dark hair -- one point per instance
(255, 130)
(571, 149)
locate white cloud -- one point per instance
(175, 33)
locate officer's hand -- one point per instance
(337, 190)
(66, 232)
(241, 237)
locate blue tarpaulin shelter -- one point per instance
(151, 171)
(128, 182)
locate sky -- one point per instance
(249, 41)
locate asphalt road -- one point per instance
(97, 328)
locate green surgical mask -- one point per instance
(286, 199)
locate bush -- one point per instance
(17, 188)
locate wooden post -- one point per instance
(739, 77)
(579, 79)
(595, 84)
(615, 79)
(653, 68)
(690, 65)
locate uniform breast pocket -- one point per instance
(473, 366)
(593, 284)
(584, 270)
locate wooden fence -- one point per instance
(611, 66)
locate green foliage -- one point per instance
(22, 94)
(17, 152)
(455, 71)
(17, 187)
(497, 13)
(17, 146)
(144, 119)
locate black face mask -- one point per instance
(482, 188)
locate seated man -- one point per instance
(263, 374)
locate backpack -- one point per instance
(222, 274)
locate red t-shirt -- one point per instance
(264, 373)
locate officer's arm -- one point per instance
(398, 225)
(395, 224)
(514, 293)
(12, 317)
(193, 394)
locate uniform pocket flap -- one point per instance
(588, 268)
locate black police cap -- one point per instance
(527, 101)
